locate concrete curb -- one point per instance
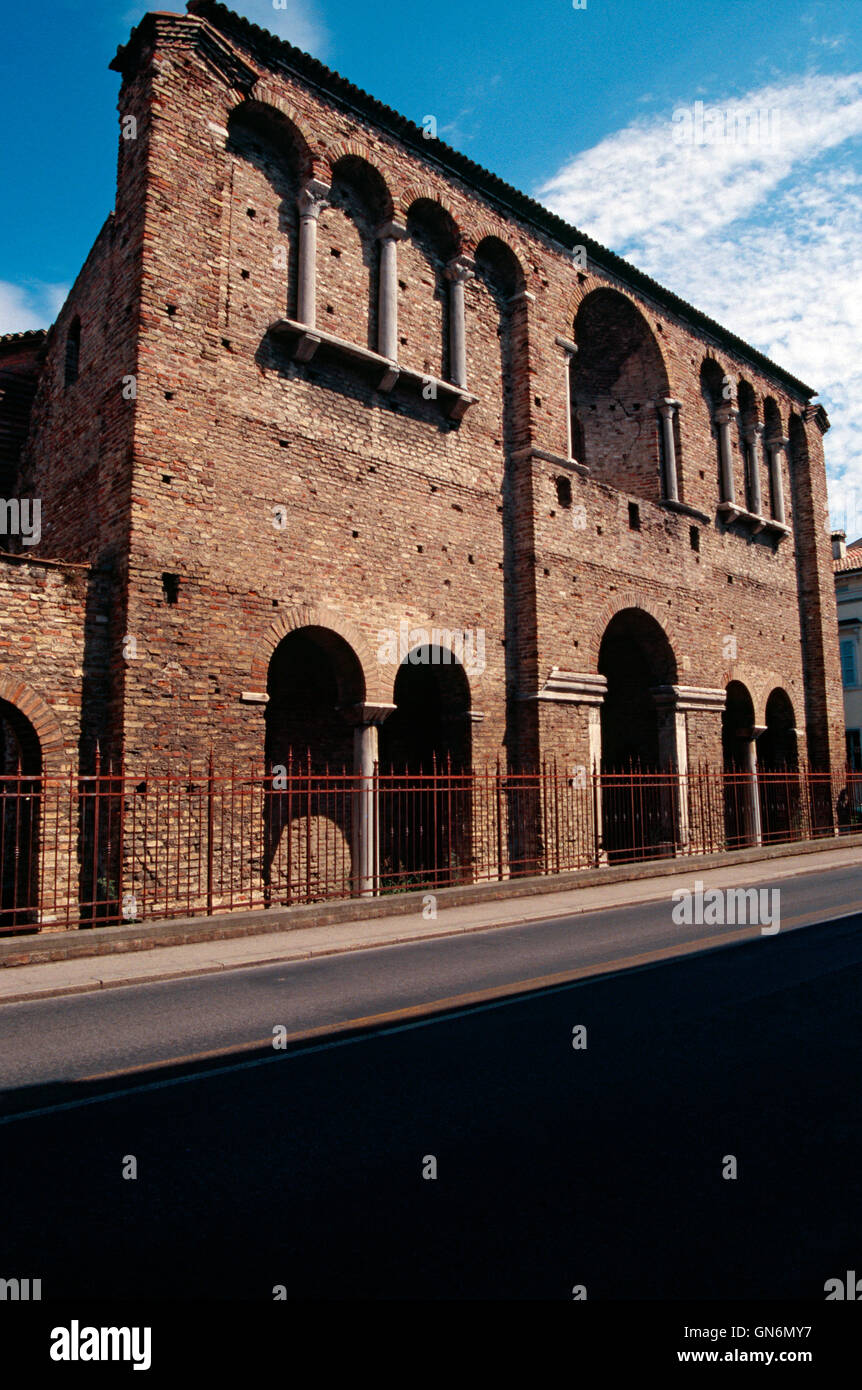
(72, 945)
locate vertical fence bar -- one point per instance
(210, 828)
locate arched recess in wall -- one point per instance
(772, 430)
(778, 770)
(749, 483)
(314, 681)
(712, 390)
(740, 777)
(618, 376)
(269, 162)
(636, 659)
(497, 337)
(431, 243)
(348, 250)
(425, 756)
(21, 767)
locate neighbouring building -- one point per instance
(347, 454)
(847, 562)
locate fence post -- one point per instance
(597, 830)
(210, 819)
(499, 797)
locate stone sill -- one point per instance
(685, 510)
(731, 512)
(558, 460)
(455, 400)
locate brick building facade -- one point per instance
(348, 451)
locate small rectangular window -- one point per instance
(634, 516)
(854, 749)
(849, 672)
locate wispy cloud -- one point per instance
(298, 21)
(764, 235)
(34, 305)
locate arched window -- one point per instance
(73, 352)
(618, 380)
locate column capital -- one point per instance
(778, 441)
(724, 413)
(365, 714)
(753, 431)
(666, 406)
(392, 231)
(460, 270)
(313, 198)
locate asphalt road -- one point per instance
(555, 1167)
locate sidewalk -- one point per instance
(115, 956)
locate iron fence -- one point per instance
(83, 851)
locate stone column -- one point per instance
(458, 272)
(753, 437)
(723, 417)
(365, 841)
(774, 448)
(667, 408)
(594, 733)
(387, 299)
(312, 200)
(754, 827)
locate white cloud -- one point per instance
(34, 305)
(299, 22)
(763, 235)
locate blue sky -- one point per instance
(582, 108)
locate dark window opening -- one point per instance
(171, 587)
(694, 537)
(634, 516)
(564, 492)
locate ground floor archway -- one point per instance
(638, 788)
(20, 819)
(314, 682)
(779, 789)
(742, 824)
(425, 762)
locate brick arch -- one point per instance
(485, 231)
(760, 684)
(632, 598)
(313, 615)
(416, 191)
(577, 296)
(352, 149)
(48, 728)
(583, 292)
(264, 96)
(480, 231)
